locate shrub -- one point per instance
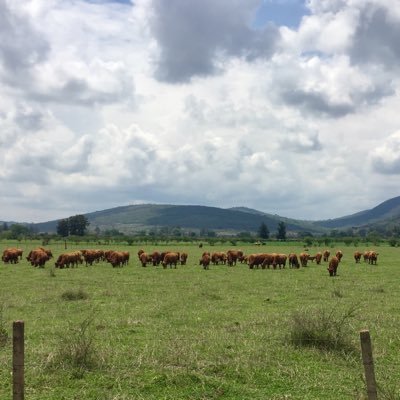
(323, 329)
(74, 294)
(77, 349)
(3, 329)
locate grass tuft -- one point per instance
(323, 329)
(3, 329)
(77, 349)
(74, 294)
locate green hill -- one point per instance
(382, 214)
(134, 218)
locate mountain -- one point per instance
(384, 213)
(134, 218)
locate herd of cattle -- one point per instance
(38, 257)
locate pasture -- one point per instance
(108, 333)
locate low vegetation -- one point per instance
(99, 332)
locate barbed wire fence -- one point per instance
(18, 362)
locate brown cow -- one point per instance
(357, 256)
(326, 255)
(304, 259)
(205, 260)
(293, 261)
(339, 255)
(91, 256)
(156, 257)
(268, 260)
(333, 266)
(318, 258)
(234, 255)
(255, 260)
(67, 260)
(170, 259)
(145, 258)
(38, 257)
(372, 257)
(11, 255)
(279, 260)
(117, 258)
(183, 258)
(217, 257)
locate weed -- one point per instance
(52, 272)
(323, 329)
(74, 294)
(337, 293)
(77, 349)
(3, 329)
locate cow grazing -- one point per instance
(67, 260)
(304, 257)
(357, 256)
(318, 258)
(170, 259)
(326, 255)
(11, 255)
(279, 260)
(205, 260)
(91, 256)
(183, 258)
(156, 258)
(117, 258)
(255, 260)
(293, 261)
(145, 258)
(372, 257)
(39, 256)
(333, 266)
(218, 257)
(339, 255)
(233, 256)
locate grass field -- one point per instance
(187, 333)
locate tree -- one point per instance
(263, 231)
(77, 225)
(17, 231)
(63, 227)
(281, 234)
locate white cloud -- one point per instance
(104, 104)
(386, 158)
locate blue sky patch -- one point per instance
(280, 12)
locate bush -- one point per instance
(74, 294)
(3, 329)
(323, 329)
(77, 349)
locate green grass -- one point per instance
(189, 333)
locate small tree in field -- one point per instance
(63, 227)
(281, 234)
(263, 231)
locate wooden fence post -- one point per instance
(18, 360)
(368, 362)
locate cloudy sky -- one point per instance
(291, 107)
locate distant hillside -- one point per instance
(137, 217)
(133, 218)
(381, 214)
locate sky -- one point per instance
(290, 107)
